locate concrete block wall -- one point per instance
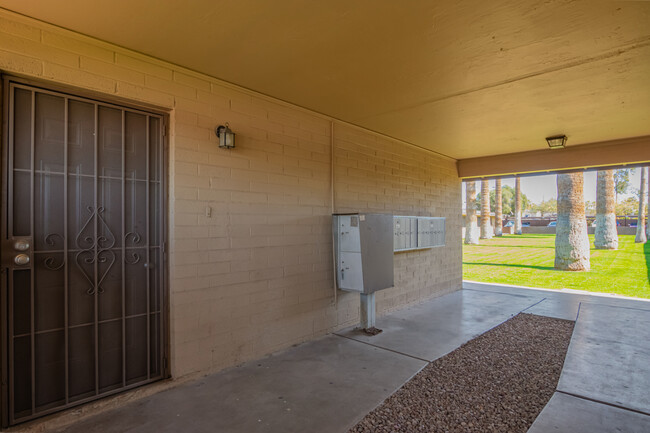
(250, 228)
(377, 174)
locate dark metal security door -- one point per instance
(82, 254)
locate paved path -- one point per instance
(605, 382)
(329, 384)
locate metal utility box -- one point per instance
(431, 232)
(405, 233)
(399, 242)
(363, 244)
(417, 233)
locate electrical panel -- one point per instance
(363, 245)
(414, 233)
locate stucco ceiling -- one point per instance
(464, 78)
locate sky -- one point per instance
(544, 187)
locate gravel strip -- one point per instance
(497, 382)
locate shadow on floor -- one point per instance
(548, 268)
(528, 236)
(517, 246)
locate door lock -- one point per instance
(21, 245)
(16, 251)
(21, 259)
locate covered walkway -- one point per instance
(141, 245)
(329, 384)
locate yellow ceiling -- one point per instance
(464, 78)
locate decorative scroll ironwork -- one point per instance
(94, 249)
(50, 262)
(132, 258)
(97, 249)
(135, 236)
(50, 238)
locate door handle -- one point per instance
(17, 252)
(21, 259)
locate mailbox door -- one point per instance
(350, 274)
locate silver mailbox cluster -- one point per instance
(363, 244)
(415, 233)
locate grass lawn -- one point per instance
(527, 260)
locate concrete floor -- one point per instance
(329, 384)
(430, 330)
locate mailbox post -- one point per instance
(363, 245)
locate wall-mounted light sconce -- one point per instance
(556, 142)
(226, 136)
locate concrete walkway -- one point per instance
(605, 381)
(329, 384)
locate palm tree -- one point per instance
(471, 230)
(606, 236)
(517, 205)
(571, 240)
(643, 199)
(498, 212)
(647, 227)
(485, 210)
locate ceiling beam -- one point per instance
(613, 153)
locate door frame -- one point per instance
(118, 102)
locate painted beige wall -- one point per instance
(376, 174)
(256, 276)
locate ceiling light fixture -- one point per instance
(556, 142)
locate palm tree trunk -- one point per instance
(647, 227)
(606, 236)
(471, 229)
(485, 210)
(571, 240)
(498, 212)
(517, 205)
(643, 199)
